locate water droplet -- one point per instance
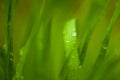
(74, 34)
(21, 52)
(79, 67)
(4, 46)
(104, 47)
(17, 75)
(22, 78)
(67, 41)
(11, 59)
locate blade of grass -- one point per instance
(105, 42)
(3, 65)
(98, 8)
(9, 7)
(34, 27)
(71, 65)
(105, 67)
(93, 17)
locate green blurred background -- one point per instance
(47, 35)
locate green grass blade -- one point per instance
(34, 26)
(105, 42)
(9, 12)
(71, 65)
(3, 65)
(93, 17)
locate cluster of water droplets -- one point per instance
(19, 77)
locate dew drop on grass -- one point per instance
(104, 47)
(4, 46)
(22, 78)
(21, 52)
(67, 41)
(19, 77)
(74, 34)
(11, 59)
(79, 67)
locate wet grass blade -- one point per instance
(34, 26)
(9, 7)
(93, 17)
(105, 42)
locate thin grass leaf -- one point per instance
(43, 48)
(93, 17)
(34, 27)
(9, 7)
(35, 20)
(106, 67)
(3, 65)
(105, 42)
(71, 66)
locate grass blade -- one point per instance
(93, 17)
(34, 25)
(105, 42)
(9, 7)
